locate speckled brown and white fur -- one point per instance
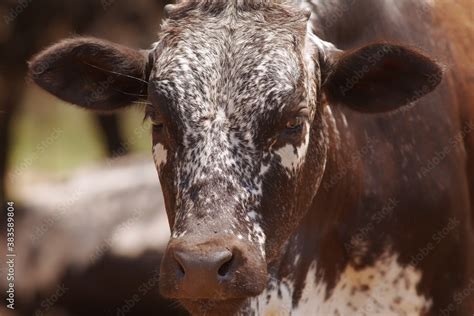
(274, 151)
(384, 288)
(223, 95)
(222, 92)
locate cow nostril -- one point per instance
(211, 265)
(225, 267)
(181, 271)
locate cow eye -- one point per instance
(295, 124)
(157, 124)
(159, 130)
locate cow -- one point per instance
(315, 159)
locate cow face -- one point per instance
(240, 129)
(232, 102)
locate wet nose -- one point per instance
(202, 273)
(219, 268)
(213, 265)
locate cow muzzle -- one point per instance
(218, 268)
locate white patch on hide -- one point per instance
(159, 155)
(386, 288)
(293, 157)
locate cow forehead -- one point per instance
(229, 63)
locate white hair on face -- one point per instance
(222, 83)
(159, 155)
(291, 157)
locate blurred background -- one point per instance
(89, 217)
(27, 26)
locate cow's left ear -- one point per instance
(379, 77)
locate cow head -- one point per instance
(235, 93)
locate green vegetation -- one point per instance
(51, 136)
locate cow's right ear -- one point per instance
(92, 73)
